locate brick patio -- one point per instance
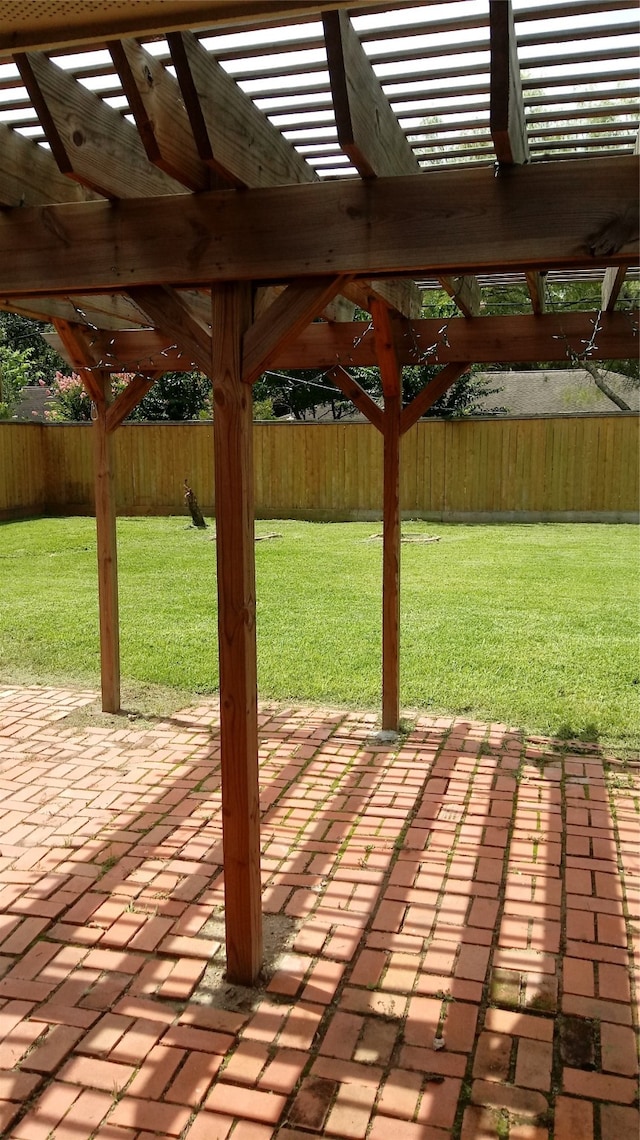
(450, 920)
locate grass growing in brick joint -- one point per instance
(534, 626)
(454, 915)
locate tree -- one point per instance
(15, 369)
(22, 334)
(300, 394)
(174, 396)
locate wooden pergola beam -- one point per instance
(232, 425)
(169, 312)
(466, 293)
(506, 116)
(232, 136)
(400, 295)
(128, 399)
(611, 286)
(462, 221)
(361, 399)
(80, 348)
(90, 141)
(486, 340)
(30, 177)
(430, 394)
(535, 285)
(283, 321)
(368, 130)
(157, 106)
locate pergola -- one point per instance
(219, 182)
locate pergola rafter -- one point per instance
(206, 218)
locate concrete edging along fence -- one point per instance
(551, 468)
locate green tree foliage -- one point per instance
(15, 370)
(303, 394)
(21, 334)
(175, 396)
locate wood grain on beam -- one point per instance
(466, 293)
(361, 399)
(231, 134)
(233, 425)
(79, 347)
(161, 118)
(487, 340)
(30, 177)
(386, 355)
(99, 311)
(432, 392)
(506, 117)
(167, 311)
(401, 295)
(90, 141)
(462, 221)
(339, 309)
(368, 130)
(283, 321)
(536, 287)
(611, 286)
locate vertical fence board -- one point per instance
(22, 474)
(554, 466)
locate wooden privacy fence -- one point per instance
(582, 468)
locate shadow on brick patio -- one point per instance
(449, 927)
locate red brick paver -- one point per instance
(456, 914)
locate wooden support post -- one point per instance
(391, 566)
(107, 550)
(391, 377)
(233, 424)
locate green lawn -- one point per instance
(535, 626)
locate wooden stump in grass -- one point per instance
(194, 509)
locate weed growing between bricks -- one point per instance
(451, 923)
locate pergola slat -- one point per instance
(30, 177)
(507, 118)
(90, 142)
(161, 118)
(231, 134)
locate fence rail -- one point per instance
(551, 468)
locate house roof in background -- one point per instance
(555, 392)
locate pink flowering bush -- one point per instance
(71, 401)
